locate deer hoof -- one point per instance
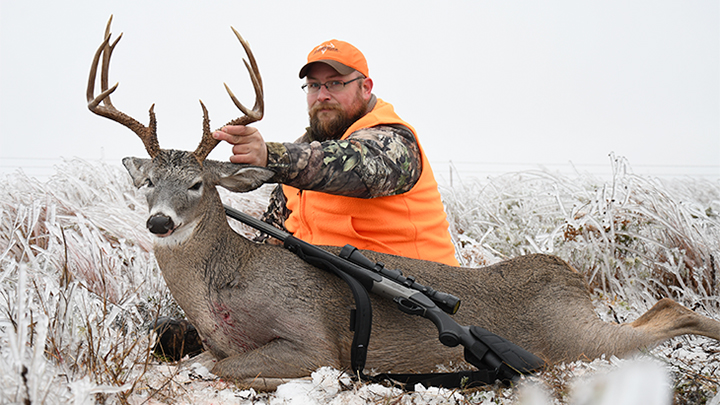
(176, 338)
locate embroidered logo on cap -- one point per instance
(326, 47)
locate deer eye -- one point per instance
(149, 183)
(196, 186)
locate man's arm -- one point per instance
(372, 162)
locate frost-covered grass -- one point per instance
(79, 287)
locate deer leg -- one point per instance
(279, 358)
(264, 384)
(668, 319)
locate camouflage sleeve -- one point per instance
(372, 162)
(275, 215)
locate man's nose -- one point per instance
(323, 94)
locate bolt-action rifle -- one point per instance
(495, 357)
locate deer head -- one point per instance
(177, 181)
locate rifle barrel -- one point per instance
(256, 223)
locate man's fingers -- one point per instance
(235, 129)
(221, 136)
(248, 145)
(241, 149)
(236, 134)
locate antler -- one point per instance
(208, 143)
(147, 134)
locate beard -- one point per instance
(335, 127)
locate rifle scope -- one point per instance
(447, 302)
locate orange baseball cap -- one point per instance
(340, 55)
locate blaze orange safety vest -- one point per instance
(412, 224)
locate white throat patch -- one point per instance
(181, 234)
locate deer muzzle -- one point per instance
(160, 225)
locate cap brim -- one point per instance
(339, 67)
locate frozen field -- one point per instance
(79, 286)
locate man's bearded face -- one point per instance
(330, 121)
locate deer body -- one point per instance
(262, 311)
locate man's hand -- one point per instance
(249, 146)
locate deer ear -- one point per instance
(240, 178)
(138, 170)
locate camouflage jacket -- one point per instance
(372, 162)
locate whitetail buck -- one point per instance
(262, 311)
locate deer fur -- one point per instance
(263, 312)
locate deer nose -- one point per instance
(160, 224)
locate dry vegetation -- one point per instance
(79, 284)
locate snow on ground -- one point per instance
(79, 286)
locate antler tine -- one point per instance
(104, 96)
(147, 134)
(256, 113)
(250, 55)
(105, 73)
(208, 143)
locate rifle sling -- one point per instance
(361, 316)
(459, 379)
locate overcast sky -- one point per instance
(500, 82)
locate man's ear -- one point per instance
(237, 177)
(137, 168)
(367, 87)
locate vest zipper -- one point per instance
(301, 208)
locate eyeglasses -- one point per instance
(333, 86)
